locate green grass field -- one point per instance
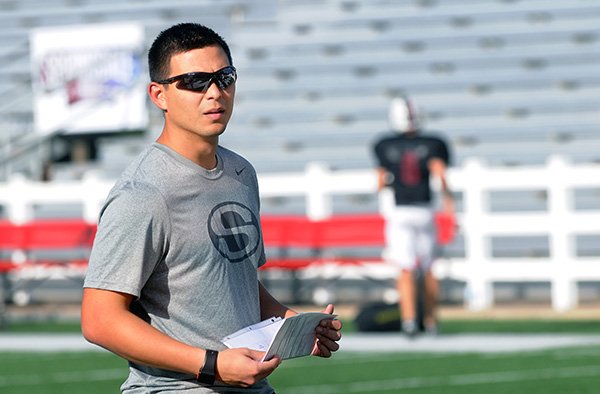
(567, 370)
(574, 370)
(570, 370)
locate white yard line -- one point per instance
(44, 343)
(354, 342)
(463, 343)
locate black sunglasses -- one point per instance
(200, 81)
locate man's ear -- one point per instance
(157, 95)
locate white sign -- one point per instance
(89, 78)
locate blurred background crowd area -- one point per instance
(511, 84)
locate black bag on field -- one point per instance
(378, 316)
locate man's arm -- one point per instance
(437, 168)
(107, 322)
(270, 307)
(383, 178)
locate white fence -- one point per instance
(560, 221)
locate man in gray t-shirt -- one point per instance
(174, 263)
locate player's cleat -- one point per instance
(409, 327)
(432, 330)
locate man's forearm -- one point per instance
(270, 307)
(107, 322)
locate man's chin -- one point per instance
(214, 130)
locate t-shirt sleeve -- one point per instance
(263, 258)
(131, 240)
(441, 151)
(378, 153)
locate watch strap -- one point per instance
(208, 371)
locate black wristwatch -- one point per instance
(208, 371)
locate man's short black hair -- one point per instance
(177, 39)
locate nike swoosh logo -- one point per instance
(240, 171)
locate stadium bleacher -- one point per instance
(485, 73)
(508, 81)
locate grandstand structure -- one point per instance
(510, 82)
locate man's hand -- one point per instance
(243, 367)
(328, 334)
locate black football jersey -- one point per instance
(405, 157)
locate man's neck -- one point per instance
(196, 149)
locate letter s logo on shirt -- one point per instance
(234, 231)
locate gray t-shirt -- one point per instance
(186, 242)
